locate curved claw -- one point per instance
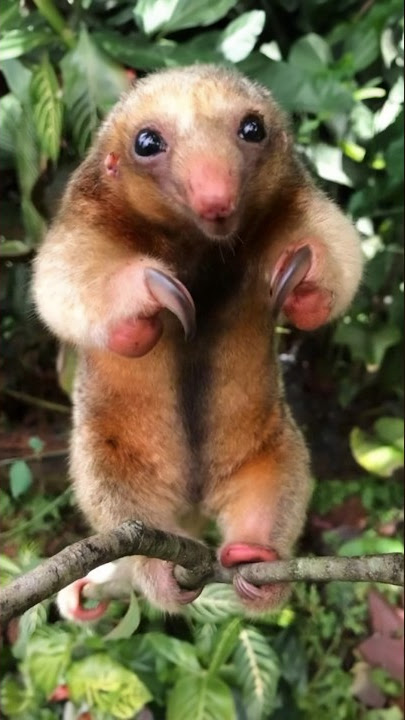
(170, 293)
(290, 276)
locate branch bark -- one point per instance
(195, 566)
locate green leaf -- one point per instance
(239, 38)
(370, 543)
(28, 623)
(92, 85)
(391, 430)
(9, 15)
(28, 163)
(363, 46)
(167, 16)
(376, 458)
(178, 652)
(106, 686)
(311, 53)
(135, 50)
(13, 249)
(224, 645)
(47, 108)
(16, 700)
(200, 698)
(47, 659)
(20, 478)
(216, 604)
(129, 623)
(15, 43)
(328, 161)
(10, 115)
(18, 79)
(258, 671)
(36, 444)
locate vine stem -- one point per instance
(56, 21)
(195, 566)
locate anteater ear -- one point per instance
(111, 164)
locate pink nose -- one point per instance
(211, 190)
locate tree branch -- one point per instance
(195, 563)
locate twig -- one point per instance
(196, 561)
(38, 402)
(35, 457)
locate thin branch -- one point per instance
(196, 561)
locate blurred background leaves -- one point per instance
(337, 68)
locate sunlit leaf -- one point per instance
(167, 16)
(106, 686)
(15, 43)
(328, 161)
(47, 658)
(240, 37)
(129, 623)
(200, 698)
(373, 456)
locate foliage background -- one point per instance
(337, 68)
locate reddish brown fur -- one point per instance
(199, 425)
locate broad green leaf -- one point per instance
(216, 604)
(224, 645)
(374, 457)
(363, 46)
(48, 656)
(28, 623)
(10, 115)
(47, 108)
(16, 699)
(391, 430)
(370, 543)
(9, 15)
(18, 79)
(258, 671)
(200, 698)
(167, 16)
(28, 163)
(20, 478)
(239, 38)
(106, 686)
(311, 53)
(205, 635)
(328, 161)
(180, 653)
(135, 50)
(129, 623)
(92, 85)
(15, 43)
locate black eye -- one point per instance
(252, 129)
(149, 142)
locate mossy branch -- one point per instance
(196, 565)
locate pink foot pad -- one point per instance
(82, 613)
(256, 598)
